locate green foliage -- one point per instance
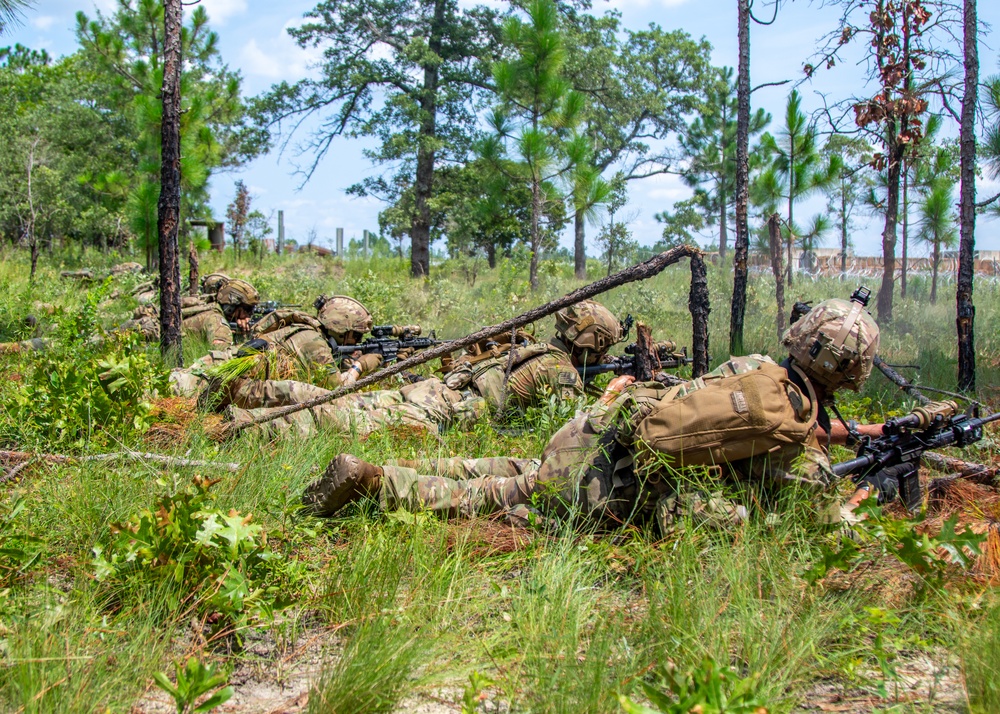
(931, 557)
(709, 145)
(195, 680)
(980, 651)
(19, 551)
(473, 694)
(220, 560)
(709, 689)
(86, 385)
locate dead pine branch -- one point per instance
(24, 457)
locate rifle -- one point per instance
(666, 353)
(260, 311)
(905, 439)
(388, 340)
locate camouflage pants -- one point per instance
(460, 487)
(427, 406)
(582, 474)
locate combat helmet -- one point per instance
(341, 315)
(236, 293)
(589, 330)
(834, 344)
(211, 283)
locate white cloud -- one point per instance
(278, 57)
(43, 22)
(219, 11)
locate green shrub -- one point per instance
(85, 384)
(222, 561)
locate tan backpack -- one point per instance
(728, 419)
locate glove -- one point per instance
(886, 482)
(369, 363)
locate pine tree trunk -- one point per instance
(934, 271)
(774, 235)
(843, 227)
(579, 246)
(168, 210)
(906, 223)
(536, 238)
(895, 155)
(723, 228)
(967, 209)
(420, 226)
(491, 255)
(742, 246)
(789, 268)
(193, 267)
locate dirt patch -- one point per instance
(933, 681)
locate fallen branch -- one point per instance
(25, 457)
(12, 474)
(900, 381)
(957, 468)
(641, 271)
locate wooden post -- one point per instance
(698, 304)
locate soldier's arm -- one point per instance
(840, 436)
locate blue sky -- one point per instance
(253, 39)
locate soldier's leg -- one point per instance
(307, 422)
(405, 488)
(466, 469)
(257, 393)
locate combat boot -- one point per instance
(346, 479)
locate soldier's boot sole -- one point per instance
(346, 479)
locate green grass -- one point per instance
(389, 607)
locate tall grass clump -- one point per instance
(980, 653)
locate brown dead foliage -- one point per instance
(483, 538)
(173, 417)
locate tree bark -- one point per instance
(895, 155)
(843, 227)
(934, 271)
(723, 228)
(906, 224)
(698, 304)
(965, 321)
(32, 214)
(491, 255)
(168, 209)
(789, 268)
(642, 271)
(774, 235)
(645, 353)
(579, 246)
(193, 267)
(420, 226)
(742, 246)
(536, 239)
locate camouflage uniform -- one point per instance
(466, 394)
(587, 467)
(305, 339)
(198, 318)
(595, 466)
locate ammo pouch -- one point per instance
(728, 419)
